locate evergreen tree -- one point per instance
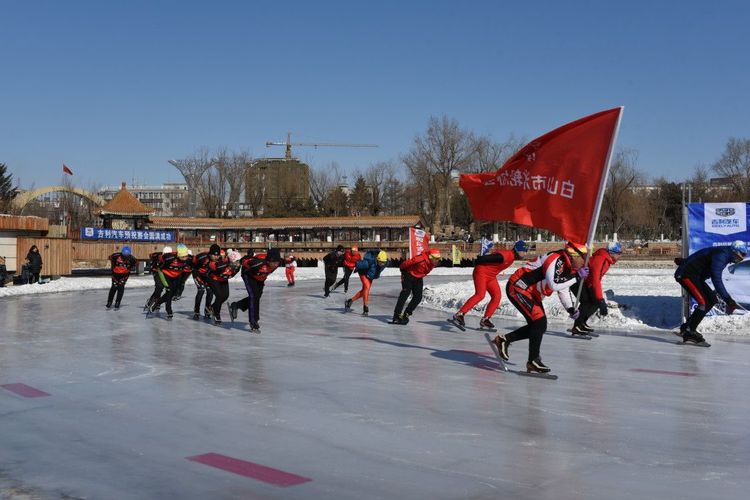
(361, 197)
(7, 191)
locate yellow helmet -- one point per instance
(382, 256)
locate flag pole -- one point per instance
(599, 199)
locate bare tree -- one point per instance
(194, 169)
(444, 149)
(322, 182)
(619, 197)
(734, 164)
(491, 155)
(376, 176)
(232, 169)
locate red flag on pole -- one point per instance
(67, 170)
(555, 182)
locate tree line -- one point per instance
(424, 181)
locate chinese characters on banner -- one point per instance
(419, 240)
(99, 233)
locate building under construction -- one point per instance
(276, 184)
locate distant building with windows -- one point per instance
(167, 200)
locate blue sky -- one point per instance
(115, 89)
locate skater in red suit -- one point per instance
(592, 296)
(485, 274)
(255, 270)
(552, 272)
(290, 265)
(351, 257)
(413, 272)
(122, 264)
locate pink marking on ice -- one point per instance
(663, 372)
(24, 390)
(249, 469)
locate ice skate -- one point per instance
(233, 311)
(502, 346)
(365, 310)
(254, 327)
(486, 323)
(536, 366)
(577, 331)
(347, 304)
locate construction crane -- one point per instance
(289, 145)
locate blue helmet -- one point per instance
(614, 247)
(740, 247)
(521, 246)
(126, 251)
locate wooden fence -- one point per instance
(57, 254)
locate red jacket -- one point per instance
(221, 270)
(256, 267)
(172, 266)
(121, 264)
(598, 266)
(490, 265)
(419, 267)
(351, 258)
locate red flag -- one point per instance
(552, 182)
(67, 170)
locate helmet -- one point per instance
(382, 256)
(234, 256)
(340, 248)
(167, 249)
(576, 249)
(214, 249)
(355, 248)
(182, 251)
(521, 246)
(273, 255)
(433, 253)
(614, 247)
(740, 247)
(126, 251)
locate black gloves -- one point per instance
(602, 307)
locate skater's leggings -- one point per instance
(482, 285)
(365, 292)
(221, 294)
(409, 286)
(172, 285)
(158, 287)
(251, 303)
(703, 295)
(203, 287)
(118, 285)
(290, 275)
(331, 273)
(345, 280)
(529, 303)
(588, 304)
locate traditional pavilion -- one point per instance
(124, 211)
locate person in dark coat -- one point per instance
(34, 259)
(331, 263)
(3, 272)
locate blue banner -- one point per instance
(719, 224)
(486, 245)
(100, 233)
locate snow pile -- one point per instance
(638, 299)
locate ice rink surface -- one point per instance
(323, 404)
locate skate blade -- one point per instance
(547, 376)
(581, 337)
(499, 358)
(699, 344)
(454, 323)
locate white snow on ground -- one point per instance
(639, 298)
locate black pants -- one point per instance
(331, 273)
(118, 286)
(158, 288)
(202, 285)
(345, 280)
(221, 294)
(534, 330)
(409, 286)
(34, 277)
(251, 303)
(166, 299)
(702, 294)
(181, 285)
(588, 304)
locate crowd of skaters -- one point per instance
(570, 272)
